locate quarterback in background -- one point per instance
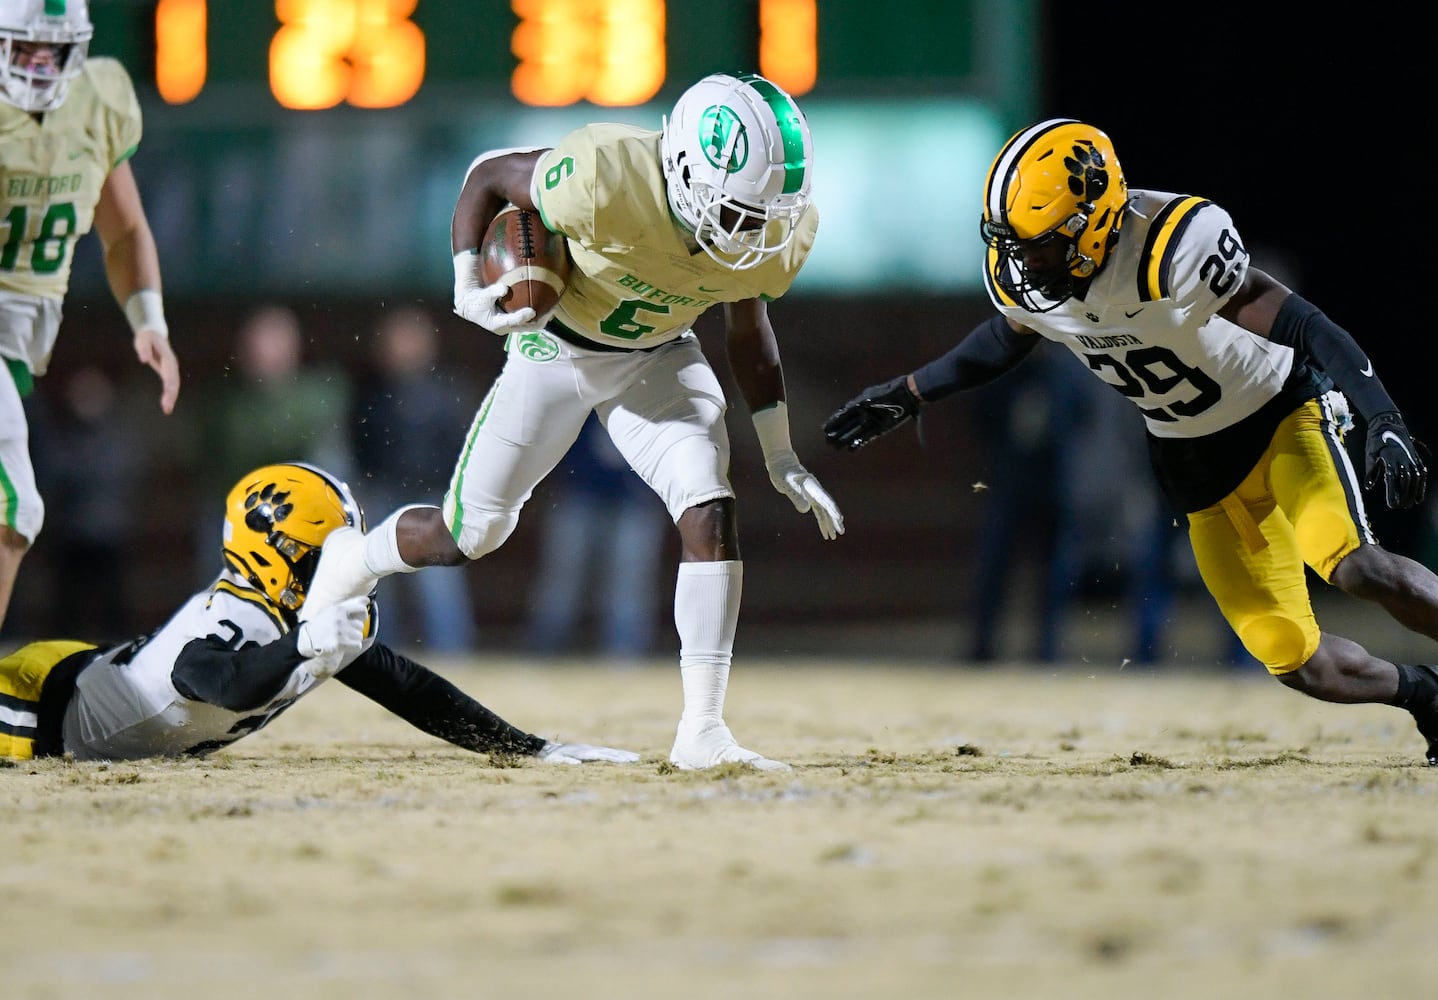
(713, 209)
(1244, 388)
(68, 127)
(235, 655)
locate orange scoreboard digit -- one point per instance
(317, 54)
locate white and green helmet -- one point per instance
(738, 143)
(62, 23)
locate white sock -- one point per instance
(706, 615)
(381, 550)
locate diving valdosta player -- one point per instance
(713, 209)
(1234, 375)
(234, 656)
(68, 127)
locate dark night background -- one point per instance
(1307, 128)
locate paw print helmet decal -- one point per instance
(276, 519)
(1055, 186)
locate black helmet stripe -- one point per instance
(996, 197)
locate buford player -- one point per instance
(1235, 376)
(235, 656)
(713, 209)
(68, 127)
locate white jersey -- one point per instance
(1147, 324)
(126, 705)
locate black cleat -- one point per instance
(1425, 711)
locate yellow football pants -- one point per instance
(1300, 505)
(22, 676)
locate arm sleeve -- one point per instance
(236, 679)
(991, 348)
(1302, 326)
(430, 703)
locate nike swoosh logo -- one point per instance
(1131, 315)
(710, 290)
(889, 408)
(1388, 437)
(1367, 372)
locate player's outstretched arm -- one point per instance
(990, 349)
(430, 703)
(873, 413)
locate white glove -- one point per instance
(479, 303)
(789, 477)
(333, 636)
(579, 753)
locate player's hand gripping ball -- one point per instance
(519, 252)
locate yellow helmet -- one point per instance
(276, 519)
(1057, 180)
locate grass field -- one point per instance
(1014, 833)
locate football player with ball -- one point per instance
(1243, 385)
(710, 210)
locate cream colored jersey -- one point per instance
(636, 280)
(52, 168)
(1148, 323)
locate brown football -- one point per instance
(530, 259)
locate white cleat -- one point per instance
(712, 744)
(341, 573)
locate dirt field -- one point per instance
(945, 833)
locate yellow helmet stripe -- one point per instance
(995, 289)
(1163, 237)
(254, 597)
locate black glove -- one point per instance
(875, 411)
(1392, 455)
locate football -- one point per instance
(530, 259)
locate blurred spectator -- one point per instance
(90, 465)
(599, 555)
(1032, 419)
(272, 406)
(1070, 497)
(409, 422)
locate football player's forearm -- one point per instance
(1304, 327)
(990, 349)
(239, 680)
(432, 704)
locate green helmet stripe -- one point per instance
(54, 8)
(791, 130)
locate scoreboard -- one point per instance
(320, 141)
(318, 54)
